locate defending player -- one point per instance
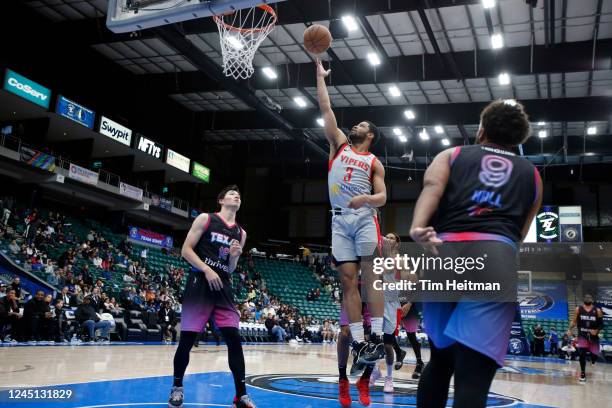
(212, 247)
(475, 193)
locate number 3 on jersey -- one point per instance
(347, 176)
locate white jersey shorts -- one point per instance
(355, 234)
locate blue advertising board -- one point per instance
(151, 237)
(75, 112)
(30, 90)
(547, 300)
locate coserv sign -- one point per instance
(30, 90)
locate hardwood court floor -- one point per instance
(277, 376)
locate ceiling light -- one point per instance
(504, 78)
(350, 23)
(511, 102)
(234, 42)
(269, 72)
(542, 134)
(409, 113)
(299, 101)
(592, 130)
(424, 135)
(590, 154)
(397, 131)
(439, 129)
(320, 122)
(488, 4)
(446, 142)
(541, 123)
(374, 58)
(394, 91)
(497, 41)
(403, 139)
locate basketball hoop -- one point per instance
(241, 33)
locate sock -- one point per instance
(342, 372)
(357, 332)
(377, 325)
(367, 372)
(389, 370)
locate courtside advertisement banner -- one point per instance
(27, 89)
(115, 131)
(75, 112)
(150, 237)
(177, 160)
(130, 191)
(83, 175)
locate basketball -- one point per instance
(317, 39)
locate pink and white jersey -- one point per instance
(350, 175)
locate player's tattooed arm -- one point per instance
(335, 136)
(236, 251)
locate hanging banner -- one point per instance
(130, 191)
(547, 224)
(570, 223)
(37, 159)
(83, 175)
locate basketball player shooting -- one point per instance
(212, 247)
(356, 182)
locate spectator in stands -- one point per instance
(568, 348)
(274, 328)
(97, 261)
(14, 247)
(87, 316)
(554, 341)
(16, 286)
(2, 290)
(143, 256)
(37, 315)
(13, 315)
(300, 332)
(65, 295)
(59, 323)
(166, 318)
(96, 299)
(538, 341)
(326, 332)
(6, 216)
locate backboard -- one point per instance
(133, 15)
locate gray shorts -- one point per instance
(392, 317)
(355, 235)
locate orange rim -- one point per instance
(264, 7)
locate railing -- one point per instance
(15, 144)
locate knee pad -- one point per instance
(388, 338)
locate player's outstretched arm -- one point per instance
(334, 136)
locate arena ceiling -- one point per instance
(437, 54)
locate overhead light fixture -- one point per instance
(299, 101)
(541, 123)
(424, 135)
(269, 72)
(439, 129)
(234, 42)
(445, 142)
(397, 131)
(350, 23)
(497, 41)
(592, 130)
(488, 4)
(409, 113)
(590, 154)
(373, 58)
(542, 134)
(402, 138)
(504, 78)
(320, 122)
(394, 91)
(511, 102)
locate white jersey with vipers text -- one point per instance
(350, 175)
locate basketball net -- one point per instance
(241, 33)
